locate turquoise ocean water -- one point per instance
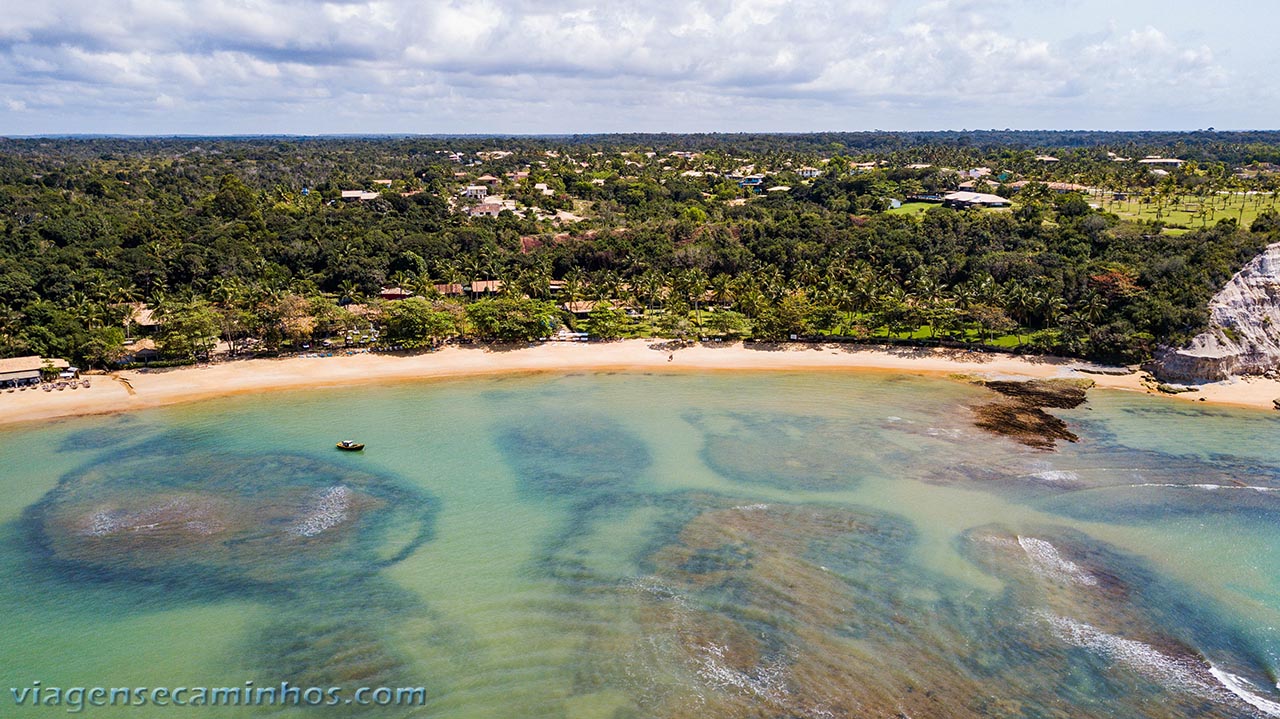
(608, 545)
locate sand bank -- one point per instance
(140, 389)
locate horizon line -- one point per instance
(535, 135)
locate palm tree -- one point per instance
(422, 285)
(1050, 307)
(722, 289)
(536, 281)
(694, 285)
(1018, 302)
(751, 300)
(574, 285)
(400, 279)
(842, 299)
(348, 290)
(10, 321)
(606, 284)
(1093, 308)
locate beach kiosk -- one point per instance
(24, 371)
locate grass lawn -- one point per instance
(912, 208)
(924, 332)
(1186, 212)
(646, 327)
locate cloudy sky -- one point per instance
(550, 66)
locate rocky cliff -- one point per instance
(1244, 328)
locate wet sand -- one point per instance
(135, 389)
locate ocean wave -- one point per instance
(1049, 563)
(1189, 674)
(1207, 486)
(1239, 687)
(1183, 673)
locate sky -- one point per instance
(575, 66)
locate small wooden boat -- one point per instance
(347, 445)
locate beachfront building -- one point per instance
(479, 287)
(23, 371)
(579, 308)
(139, 318)
(140, 351)
(394, 293)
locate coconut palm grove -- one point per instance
(1101, 245)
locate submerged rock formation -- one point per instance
(306, 538)
(1244, 328)
(1019, 413)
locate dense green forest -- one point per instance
(247, 244)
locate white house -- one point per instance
(974, 199)
(1154, 160)
(477, 191)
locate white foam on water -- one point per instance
(1056, 475)
(330, 510)
(656, 589)
(1181, 673)
(106, 522)
(1207, 486)
(1049, 563)
(751, 507)
(1239, 686)
(767, 682)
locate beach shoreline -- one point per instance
(141, 389)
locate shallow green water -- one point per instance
(625, 545)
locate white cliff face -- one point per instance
(1244, 328)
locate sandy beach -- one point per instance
(130, 390)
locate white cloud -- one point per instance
(579, 65)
